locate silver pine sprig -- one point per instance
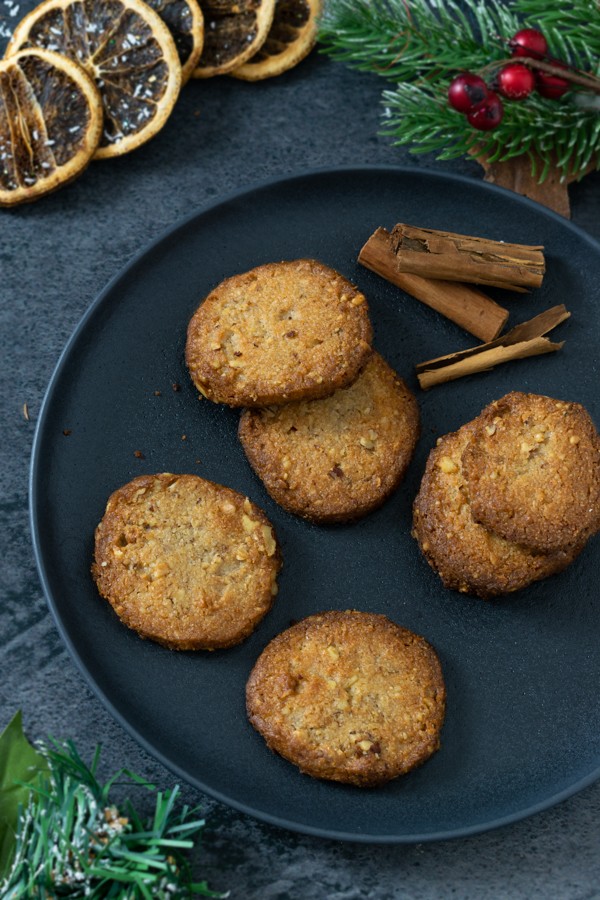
(420, 45)
(72, 840)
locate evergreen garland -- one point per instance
(72, 841)
(420, 45)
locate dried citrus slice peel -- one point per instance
(50, 124)
(185, 21)
(234, 30)
(291, 37)
(126, 48)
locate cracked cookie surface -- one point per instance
(282, 331)
(533, 471)
(186, 562)
(336, 459)
(349, 696)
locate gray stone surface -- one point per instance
(54, 257)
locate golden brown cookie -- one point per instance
(466, 556)
(335, 459)
(348, 696)
(283, 331)
(533, 471)
(185, 562)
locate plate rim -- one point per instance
(36, 465)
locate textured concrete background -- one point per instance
(54, 258)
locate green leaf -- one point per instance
(20, 767)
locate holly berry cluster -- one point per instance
(469, 93)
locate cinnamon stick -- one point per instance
(458, 257)
(522, 341)
(465, 305)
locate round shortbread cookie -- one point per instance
(185, 562)
(348, 696)
(336, 459)
(283, 331)
(466, 556)
(533, 471)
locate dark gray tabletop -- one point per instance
(55, 256)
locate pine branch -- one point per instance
(408, 39)
(422, 44)
(419, 116)
(72, 841)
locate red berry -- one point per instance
(515, 81)
(551, 86)
(467, 92)
(529, 42)
(488, 115)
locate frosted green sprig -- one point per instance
(72, 841)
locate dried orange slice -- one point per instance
(50, 124)
(128, 51)
(291, 37)
(234, 30)
(185, 21)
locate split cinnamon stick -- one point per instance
(458, 257)
(465, 305)
(520, 342)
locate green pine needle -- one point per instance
(72, 841)
(420, 45)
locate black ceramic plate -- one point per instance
(523, 720)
